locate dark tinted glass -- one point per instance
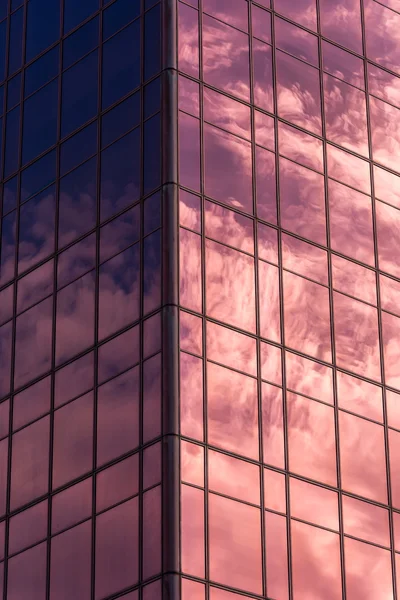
(13, 91)
(11, 159)
(41, 71)
(120, 119)
(78, 148)
(79, 94)
(81, 42)
(76, 11)
(120, 13)
(152, 43)
(152, 97)
(38, 176)
(40, 122)
(15, 44)
(43, 26)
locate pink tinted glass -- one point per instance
(309, 377)
(276, 556)
(192, 530)
(314, 504)
(272, 420)
(303, 11)
(366, 521)
(188, 45)
(368, 571)
(233, 477)
(296, 41)
(231, 348)
(233, 13)
(341, 22)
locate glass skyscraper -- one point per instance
(200, 300)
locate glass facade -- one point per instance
(199, 299)
(289, 174)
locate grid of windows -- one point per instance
(289, 121)
(80, 299)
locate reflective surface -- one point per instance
(290, 289)
(80, 300)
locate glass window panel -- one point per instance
(393, 409)
(264, 126)
(71, 563)
(307, 317)
(314, 504)
(302, 201)
(75, 318)
(189, 151)
(76, 260)
(81, 42)
(231, 76)
(79, 94)
(35, 286)
(6, 303)
(78, 148)
(298, 93)
(303, 12)
(188, 42)
(227, 153)
(5, 365)
(226, 113)
(119, 233)
(190, 270)
(190, 331)
(351, 223)
(228, 227)
(119, 291)
(353, 279)
(345, 30)
(345, 115)
(13, 91)
(15, 41)
(191, 396)
(263, 87)
(152, 213)
(41, 71)
(385, 123)
(72, 505)
(276, 561)
(315, 562)
(151, 547)
(269, 299)
(118, 416)
(38, 176)
(349, 169)
(31, 403)
(8, 243)
(388, 228)
(359, 396)
(192, 463)
(74, 379)
(231, 348)
(11, 149)
(3, 38)
(230, 286)
(117, 483)
(152, 272)
(261, 23)
(152, 335)
(118, 354)
(233, 14)
(362, 457)
(311, 432)
(356, 337)
(274, 491)
(387, 186)
(271, 363)
(304, 259)
(152, 398)
(365, 521)
(152, 43)
(192, 590)
(300, 146)
(33, 342)
(73, 440)
(151, 154)
(343, 65)
(383, 84)
(266, 185)
(30, 463)
(75, 12)
(368, 571)
(118, 15)
(27, 574)
(272, 424)
(391, 332)
(190, 211)
(3, 475)
(189, 92)
(120, 119)
(4, 418)
(233, 477)
(120, 174)
(40, 122)
(121, 64)
(309, 377)
(235, 544)
(382, 26)
(28, 527)
(151, 465)
(77, 206)
(296, 41)
(394, 451)
(267, 243)
(232, 411)
(36, 243)
(192, 530)
(117, 551)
